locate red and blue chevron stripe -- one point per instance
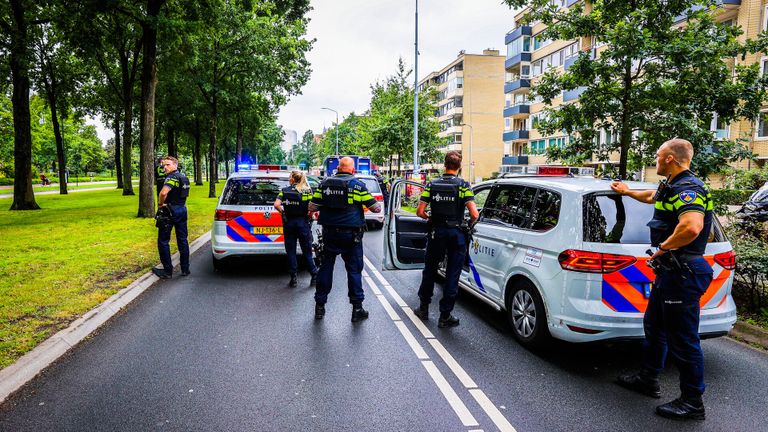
(240, 229)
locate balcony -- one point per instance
(570, 61)
(517, 111)
(515, 135)
(517, 59)
(574, 94)
(513, 86)
(517, 34)
(514, 160)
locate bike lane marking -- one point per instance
(478, 394)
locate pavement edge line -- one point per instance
(29, 365)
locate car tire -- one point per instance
(218, 264)
(526, 315)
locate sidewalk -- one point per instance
(70, 183)
(51, 192)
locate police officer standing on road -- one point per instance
(173, 197)
(681, 224)
(447, 197)
(340, 200)
(293, 204)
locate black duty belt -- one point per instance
(686, 256)
(348, 230)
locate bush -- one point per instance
(751, 276)
(726, 197)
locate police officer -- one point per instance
(681, 224)
(159, 176)
(293, 203)
(447, 197)
(383, 185)
(340, 200)
(173, 196)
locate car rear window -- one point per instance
(252, 191)
(371, 184)
(612, 218)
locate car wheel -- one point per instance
(218, 264)
(526, 315)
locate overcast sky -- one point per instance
(359, 42)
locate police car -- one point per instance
(372, 184)
(562, 256)
(245, 222)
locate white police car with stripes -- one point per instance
(563, 256)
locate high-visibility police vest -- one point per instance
(294, 203)
(336, 193)
(445, 201)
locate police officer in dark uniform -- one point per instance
(173, 197)
(293, 203)
(447, 198)
(680, 227)
(159, 176)
(340, 199)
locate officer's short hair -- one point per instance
(171, 158)
(453, 160)
(681, 149)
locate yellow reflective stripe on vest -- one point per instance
(663, 206)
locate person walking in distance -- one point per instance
(681, 224)
(447, 198)
(340, 200)
(293, 203)
(173, 199)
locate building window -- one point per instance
(762, 125)
(507, 124)
(763, 66)
(537, 68)
(765, 17)
(538, 146)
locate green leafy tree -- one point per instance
(348, 135)
(387, 128)
(645, 79)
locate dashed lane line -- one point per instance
(479, 395)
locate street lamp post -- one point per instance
(337, 128)
(416, 92)
(471, 161)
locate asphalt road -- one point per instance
(242, 351)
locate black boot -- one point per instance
(293, 281)
(319, 311)
(640, 383)
(160, 273)
(422, 312)
(447, 320)
(313, 281)
(680, 409)
(358, 313)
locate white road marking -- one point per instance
(453, 399)
(388, 307)
(461, 410)
(496, 416)
(417, 349)
(368, 279)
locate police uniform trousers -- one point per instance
(450, 241)
(179, 219)
(298, 229)
(347, 242)
(671, 324)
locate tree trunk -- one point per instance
(626, 130)
(212, 168)
(148, 89)
(23, 196)
(197, 156)
(170, 135)
(60, 156)
(118, 167)
(127, 138)
(239, 145)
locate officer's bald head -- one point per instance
(681, 149)
(347, 164)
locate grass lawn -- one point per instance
(59, 262)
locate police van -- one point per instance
(245, 221)
(563, 256)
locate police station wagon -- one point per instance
(562, 256)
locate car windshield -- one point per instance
(254, 191)
(611, 218)
(371, 184)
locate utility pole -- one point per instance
(416, 94)
(337, 129)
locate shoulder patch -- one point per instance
(687, 196)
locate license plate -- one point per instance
(267, 230)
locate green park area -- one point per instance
(59, 262)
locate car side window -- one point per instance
(502, 205)
(481, 196)
(546, 210)
(522, 213)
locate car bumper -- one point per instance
(224, 247)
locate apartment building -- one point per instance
(470, 101)
(529, 56)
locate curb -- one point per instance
(32, 363)
(750, 333)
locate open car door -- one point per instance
(405, 234)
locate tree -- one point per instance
(348, 136)
(645, 79)
(387, 129)
(303, 152)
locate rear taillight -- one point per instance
(593, 262)
(727, 260)
(225, 215)
(379, 197)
